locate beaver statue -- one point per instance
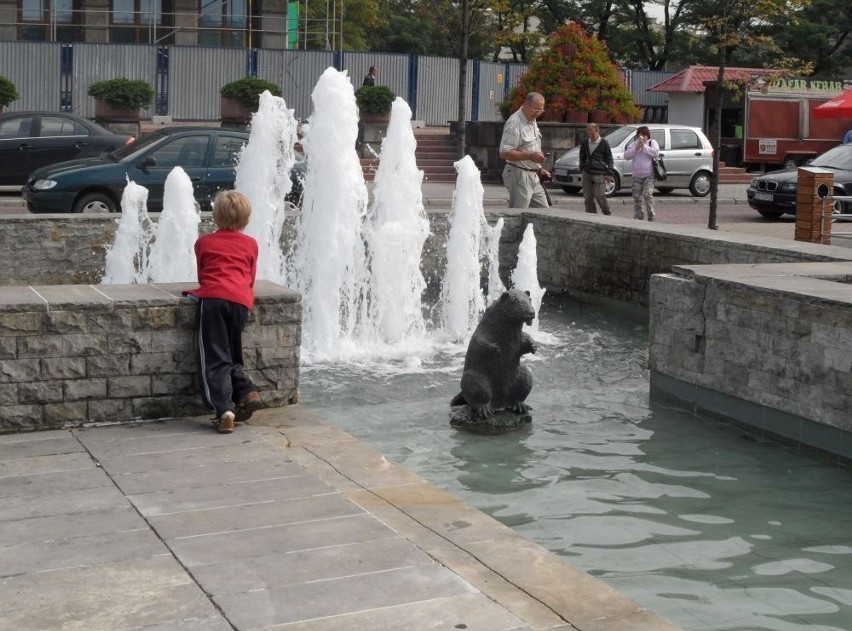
(493, 378)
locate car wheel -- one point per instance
(613, 187)
(571, 190)
(770, 214)
(700, 184)
(789, 163)
(95, 203)
(664, 190)
(840, 208)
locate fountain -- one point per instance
(682, 515)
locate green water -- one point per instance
(689, 517)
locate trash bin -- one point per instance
(730, 155)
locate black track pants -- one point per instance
(220, 353)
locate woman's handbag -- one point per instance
(659, 169)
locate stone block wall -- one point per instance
(616, 257)
(766, 345)
(74, 354)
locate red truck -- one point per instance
(780, 129)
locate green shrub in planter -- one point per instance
(374, 99)
(248, 90)
(7, 91)
(129, 94)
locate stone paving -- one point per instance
(286, 524)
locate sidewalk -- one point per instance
(286, 524)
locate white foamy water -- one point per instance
(492, 243)
(357, 265)
(127, 257)
(172, 253)
(397, 230)
(263, 175)
(328, 263)
(462, 301)
(525, 274)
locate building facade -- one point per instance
(272, 24)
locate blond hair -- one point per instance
(231, 210)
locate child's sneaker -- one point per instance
(225, 424)
(248, 405)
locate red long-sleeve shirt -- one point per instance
(227, 264)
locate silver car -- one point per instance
(686, 151)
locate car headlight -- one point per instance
(788, 187)
(753, 183)
(43, 185)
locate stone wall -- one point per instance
(608, 256)
(73, 354)
(616, 257)
(766, 345)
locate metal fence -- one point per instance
(187, 79)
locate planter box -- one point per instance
(107, 113)
(233, 111)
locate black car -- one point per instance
(31, 140)
(774, 194)
(208, 155)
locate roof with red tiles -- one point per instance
(694, 78)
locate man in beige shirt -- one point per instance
(520, 147)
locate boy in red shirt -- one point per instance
(227, 263)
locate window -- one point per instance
(223, 23)
(685, 139)
(226, 151)
(56, 126)
(16, 128)
(184, 152)
(142, 22)
(660, 136)
(51, 20)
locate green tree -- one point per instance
(822, 34)
(513, 29)
(342, 25)
(574, 72)
(463, 23)
(730, 25)
(404, 28)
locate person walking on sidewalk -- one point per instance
(596, 164)
(520, 147)
(227, 263)
(643, 151)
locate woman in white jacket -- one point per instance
(643, 151)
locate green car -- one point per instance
(95, 185)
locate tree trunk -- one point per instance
(461, 141)
(716, 140)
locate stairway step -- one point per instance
(440, 177)
(436, 155)
(735, 178)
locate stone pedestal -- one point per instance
(814, 205)
(498, 423)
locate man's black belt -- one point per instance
(523, 168)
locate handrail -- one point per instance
(835, 216)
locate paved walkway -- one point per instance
(286, 524)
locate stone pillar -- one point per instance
(814, 205)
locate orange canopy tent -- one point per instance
(838, 107)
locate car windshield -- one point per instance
(128, 150)
(837, 158)
(618, 134)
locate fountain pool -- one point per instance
(689, 517)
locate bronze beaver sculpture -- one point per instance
(493, 378)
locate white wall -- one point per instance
(686, 108)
